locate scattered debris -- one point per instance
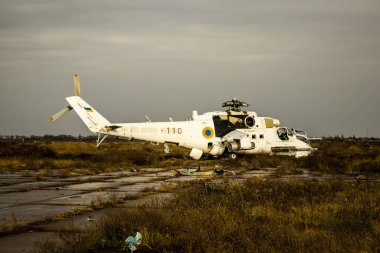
(195, 170)
(166, 149)
(90, 218)
(361, 177)
(194, 165)
(223, 171)
(188, 172)
(132, 241)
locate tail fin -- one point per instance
(93, 120)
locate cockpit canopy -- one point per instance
(284, 133)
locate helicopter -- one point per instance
(230, 133)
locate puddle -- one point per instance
(33, 196)
(254, 173)
(22, 243)
(29, 186)
(87, 199)
(139, 187)
(163, 174)
(91, 186)
(185, 179)
(132, 179)
(32, 213)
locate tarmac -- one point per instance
(40, 203)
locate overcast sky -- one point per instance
(314, 65)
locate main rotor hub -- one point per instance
(235, 105)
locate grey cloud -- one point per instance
(312, 64)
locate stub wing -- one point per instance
(236, 134)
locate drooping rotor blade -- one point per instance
(76, 85)
(60, 113)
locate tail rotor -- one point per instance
(76, 85)
(68, 108)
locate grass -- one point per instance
(336, 156)
(13, 225)
(262, 215)
(344, 157)
(70, 213)
(67, 159)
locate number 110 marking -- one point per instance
(173, 130)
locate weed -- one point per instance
(129, 196)
(13, 225)
(101, 202)
(71, 213)
(26, 173)
(69, 240)
(43, 173)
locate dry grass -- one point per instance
(13, 225)
(66, 159)
(70, 213)
(258, 216)
(102, 202)
(270, 215)
(68, 240)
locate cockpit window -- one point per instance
(282, 134)
(301, 138)
(300, 132)
(290, 132)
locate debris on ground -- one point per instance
(223, 172)
(90, 218)
(133, 241)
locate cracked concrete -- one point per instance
(36, 201)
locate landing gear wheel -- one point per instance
(232, 156)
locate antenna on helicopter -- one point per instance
(235, 104)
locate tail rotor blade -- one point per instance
(60, 113)
(76, 85)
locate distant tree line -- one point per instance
(61, 137)
(65, 137)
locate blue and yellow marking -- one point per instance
(88, 109)
(208, 132)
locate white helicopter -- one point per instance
(220, 133)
